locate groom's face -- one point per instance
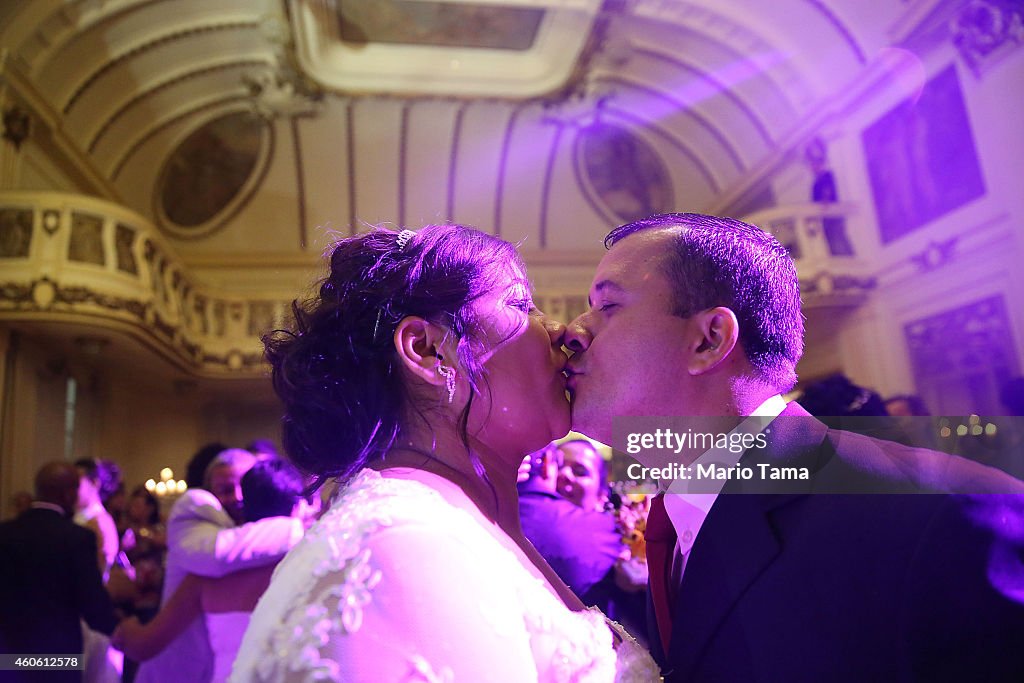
(630, 352)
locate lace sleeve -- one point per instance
(394, 584)
(633, 664)
(415, 604)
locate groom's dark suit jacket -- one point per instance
(49, 581)
(793, 587)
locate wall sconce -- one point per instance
(167, 486)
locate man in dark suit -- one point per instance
(49, 579)
(699, 317)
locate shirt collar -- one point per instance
(772, 407)
(42, 505)
(755, 423)
(687, 511)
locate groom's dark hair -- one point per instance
(725, 262)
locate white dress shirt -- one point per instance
(687, 510)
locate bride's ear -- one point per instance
(419, 343)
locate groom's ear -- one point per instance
(717, 333)
(419, 344)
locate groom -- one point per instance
(699, 316)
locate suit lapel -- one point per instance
(735, 545)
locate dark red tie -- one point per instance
(661, 544)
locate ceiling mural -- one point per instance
(211, 172)
(624, 173)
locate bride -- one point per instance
(419, 377)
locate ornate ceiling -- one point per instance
(249, 132)
(486, 124)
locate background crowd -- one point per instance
(86, 559)
(108, 563)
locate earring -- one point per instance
(449, 379)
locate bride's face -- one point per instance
(523, 404)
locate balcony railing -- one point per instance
(830, 270)
(70, 258)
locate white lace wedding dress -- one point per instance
(395, 583)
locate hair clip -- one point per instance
(376, 325)
(403, 239)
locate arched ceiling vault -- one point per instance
(713, 88)
(234, 139)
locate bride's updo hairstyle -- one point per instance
(337, 371)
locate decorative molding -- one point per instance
(16, 292)
(970, 345)
(75, 15)
(549, 174)
(44, 297)
(350, 161)
(984, 31)
(149, 45)
(51, 221)
(600, 43)
(15, 232)
(506, 146)
(300, 180)
(552, 67)
(122, 273)
(734, 38)
(403, 165)
(719, 86)
(453, 160)
(827, 284)
(683, 108)
(825, 279)
(53, 138)
(935, 255)
(86, 242)
(630, 171)
(282, 93)
(220, 102)
(177, 80)
(841, 28)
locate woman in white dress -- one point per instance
(419, 376)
